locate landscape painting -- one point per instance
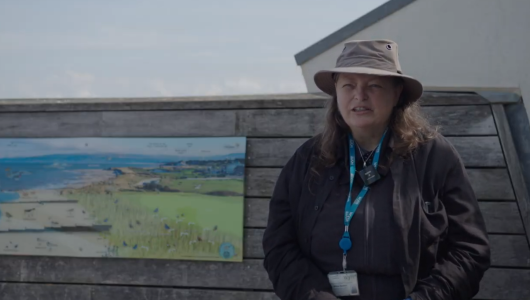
(159, 198)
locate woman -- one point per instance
(377, 206)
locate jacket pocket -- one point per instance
(434, 222)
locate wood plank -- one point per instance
(487, 183)
(260, 182)
(249, 274)
(476, 151)
(280, 122)
(491, 184)
(168, 123)
(497, 283)
(50, 124)
(252, 243)
(506, 284)
(256, 212)
(295, 100)
(502, 217)
(479, 151)
(506, 250)
(462, 120)
(271, 152)
(514, 166)
(456, 120)
(26, 291)
(445, 98)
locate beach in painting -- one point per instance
(171, 198)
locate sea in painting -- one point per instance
(160, 198)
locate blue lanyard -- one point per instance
(345, 242)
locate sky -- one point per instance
(162, 48)
(182, 147)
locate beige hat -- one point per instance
(374, 57)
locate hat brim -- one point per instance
(412, 89)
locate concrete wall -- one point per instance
(459, 45)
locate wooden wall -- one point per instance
(275, 126)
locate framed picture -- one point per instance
(159, 198)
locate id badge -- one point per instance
(344, 283)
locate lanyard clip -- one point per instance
(344, 263)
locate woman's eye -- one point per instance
(375, 85)
(348, 86)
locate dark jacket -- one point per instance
(444, 248)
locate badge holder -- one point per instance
(344, 283)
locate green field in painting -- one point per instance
(204, 185)
(207, 211)
(168, 225)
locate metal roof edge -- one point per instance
(352, 28)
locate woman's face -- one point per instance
(366, 101)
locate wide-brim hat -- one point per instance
(372, 57)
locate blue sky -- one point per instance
(67, 48)
(10, 148)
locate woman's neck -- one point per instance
(368, 139)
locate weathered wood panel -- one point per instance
(479, 151)
(514, 166)
(497, 283)
(280, 122)
(303, 100)
(462, 120)
(36, 291)
(252, 243)
(509, 251)
(168, 123)
(491, 184)
(506, 250)
(50, 124)
(256, 212)
(456, 120)
(500, 217)
(192, 274)
(444, 98)
(507, 284)
(487, 183)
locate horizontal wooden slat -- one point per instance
(506, 250)
(455, 120)
(462, 120)
(168, 123)
(252, 243)
(27, 291)
(248, 274)
(502, 217)
(50, 124)
(487, 183)
(302, 100)
(497, 283)
(509, 251)
(479, 151)
(441, 98)
(256, 212)
(506, 284)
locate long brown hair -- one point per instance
(407, 123)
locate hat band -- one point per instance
(367, 62)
